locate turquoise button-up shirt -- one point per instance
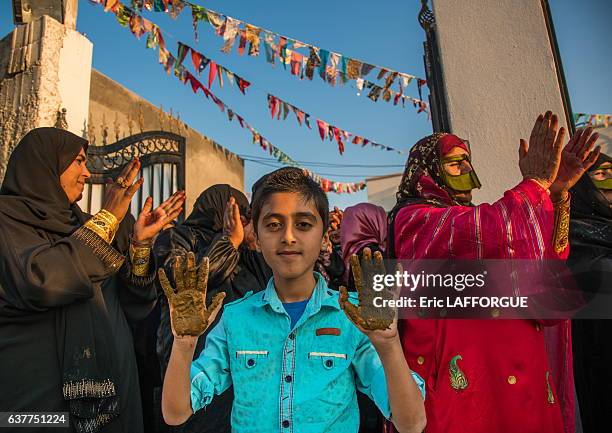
(298, 380)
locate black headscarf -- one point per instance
(591, 213)
(588, 202)
(32, 194)
(31, 190)
(208, 210)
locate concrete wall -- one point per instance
(44, 67)
(113, 110)
(499, 74)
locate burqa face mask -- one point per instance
(462, 182)
(605, 184)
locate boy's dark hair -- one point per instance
(289, 179)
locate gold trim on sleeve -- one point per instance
(562, 222)
(139, 256)
(109, 256)
(104, 224)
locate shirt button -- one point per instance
(251, 362)
(288, 378)
(285, 423)
(329, 363)
(292, 336)
(420, 360)
(511, 380)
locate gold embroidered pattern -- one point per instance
(457, 377)
(109, 256)
(139, 256)
(104, 224)
(88, 389)
(551, 396)
(562, 221)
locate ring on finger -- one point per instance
(123, 183)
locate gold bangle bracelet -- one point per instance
(562, 223)
(104, 224)
(139, 256)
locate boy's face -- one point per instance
(289, 234)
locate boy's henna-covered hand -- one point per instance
(366, 316)
(188, 312)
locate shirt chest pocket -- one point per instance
(328, 361)
(252, 360)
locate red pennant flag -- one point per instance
(196, 59)
(242, 84)
(323, 129)
(296, 63)
(337, 136)
(273, 104)
(195, 84)
(212, 73)
(240, 120)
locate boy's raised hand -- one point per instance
(188, 313)
(376, 323)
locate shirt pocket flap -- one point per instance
(328, 359)
(251, 357)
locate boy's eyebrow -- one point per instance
(308, 215)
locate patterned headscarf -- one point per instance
(422, 180)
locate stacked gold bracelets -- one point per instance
(139, 256)
(562, 222)
(104, 224)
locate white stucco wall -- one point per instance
(74, 80)
(499, 74)
(382, 189)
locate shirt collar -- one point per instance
(322, 296)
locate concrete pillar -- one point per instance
(499, 73)
(45, 67)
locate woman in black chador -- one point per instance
(69, 284)
(591, 260)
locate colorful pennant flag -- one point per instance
(174, 63)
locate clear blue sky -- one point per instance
(385, 32)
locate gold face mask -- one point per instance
(606, 183)
(461, 182)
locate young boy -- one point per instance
(294, 358)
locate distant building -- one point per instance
(382, 189)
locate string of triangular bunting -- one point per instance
(595, 120)
(333, 68)
(127, 17)
(276, 105)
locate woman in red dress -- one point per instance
(490, 376)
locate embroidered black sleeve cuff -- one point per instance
(111, 258)
(128, 274)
